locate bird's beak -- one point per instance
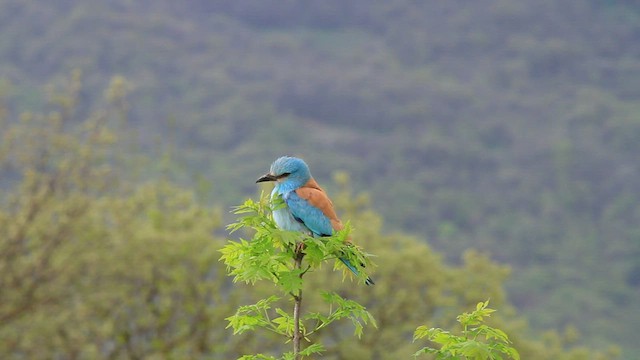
(266, 177)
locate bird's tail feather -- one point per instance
(348, 264)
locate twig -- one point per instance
(297, 298)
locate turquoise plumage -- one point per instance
(308, 208)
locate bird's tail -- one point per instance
(348, 264)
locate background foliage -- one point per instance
(476, 341)
(506, 126)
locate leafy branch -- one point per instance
(284, 258)
(478, 341)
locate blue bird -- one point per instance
(309, 210)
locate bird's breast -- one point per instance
(285, 220)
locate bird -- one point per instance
(308, 207)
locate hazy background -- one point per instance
(511, 127)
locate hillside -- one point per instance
(506, 126)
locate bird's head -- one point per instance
(287, 169)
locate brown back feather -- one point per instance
(315, 195)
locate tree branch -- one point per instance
(297, 298)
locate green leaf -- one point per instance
(315, 251)
(475, 350)
(420, 332)
(249, 317)
(313, 349)
(349, 309)
(257, 357)
(441, 337)
(425, 350)
(321, 320)
(492, 333)
(284, 323)
(512, 352)
(291, 281)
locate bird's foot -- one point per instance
(299, 247)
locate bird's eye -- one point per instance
(283, 175)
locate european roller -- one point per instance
(308, 208)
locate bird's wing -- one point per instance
(310, 205)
